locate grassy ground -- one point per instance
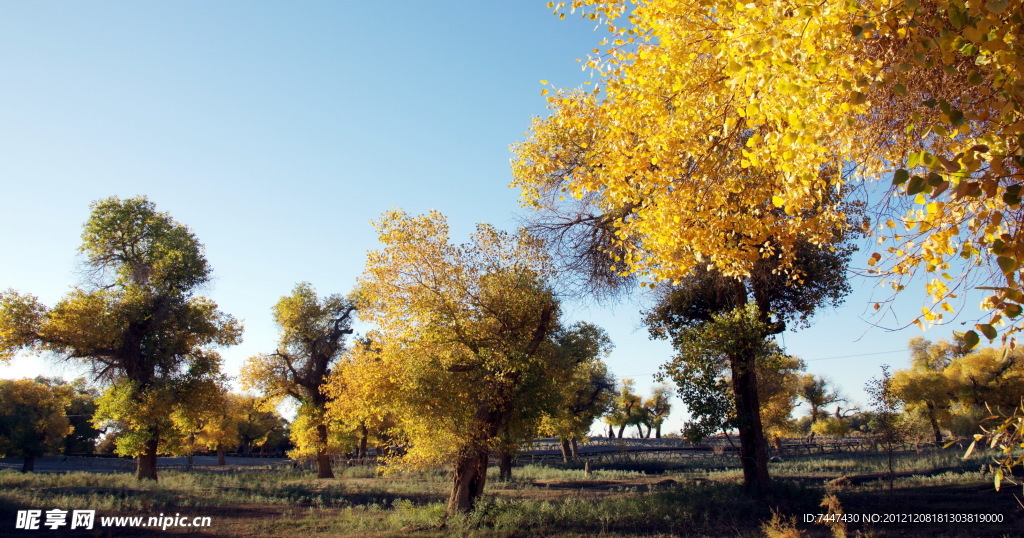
(700, 496)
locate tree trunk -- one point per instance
(621, 429)
(145, 464)
(470, 478)
(935, 424)
(364, 435)
(29, 464)
(753, 446)
(611, 432)
(221, 460)
(323, 459)
(190, 460)
(504, 465)
(574, 450)
(657, 431)
(566, 450)
(640, 431)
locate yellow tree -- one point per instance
(207, 418)
(33, 419)
(258, 423)
(925, 388)
(463, 336)
(707, 111)
(138, 323)
(988, 377)
(313, 332)
(360, 395)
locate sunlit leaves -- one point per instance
(32, 417)
(462, 341)
(718, 106)
(139, 324)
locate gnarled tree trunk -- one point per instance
(566, 449)
(221, 459)
(935, 424)
(364, 435)
(323, 459)
(145, 464)
(504, 465)
(753, 446)
(470, 478)
(28, 465)
(574, 450)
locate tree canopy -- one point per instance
(138, 323)
(312, 340)
(710, 114)
(463, 337)
(33, 418)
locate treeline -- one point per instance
(45, 416)
(468, 355)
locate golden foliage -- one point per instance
(709, 112)
(461, 351)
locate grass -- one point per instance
(626, 498)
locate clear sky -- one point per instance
(277, 131)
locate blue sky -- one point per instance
(278, 131)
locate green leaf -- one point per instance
(856, 30)
(975, 78)
(1007, 264)
(956, 118)
(928, 159)
(900, 177)
(970, 342)
(1012, 195)
(930, 103)
(916, 185)
(987, 329)
(914, 159)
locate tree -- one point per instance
(924, 387)
(259, 424)
(463, 334)
(702, 367)
(207, 418)
(656, 409)
(138, 323)
(953, 389)
(32, 419)
(771, 103)
(625, 409)
(80, 411)
(589, 390)
(887, 421)
(778, 391)
(313, 332)
(818, 394)
(709, 300)
(360, 395)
